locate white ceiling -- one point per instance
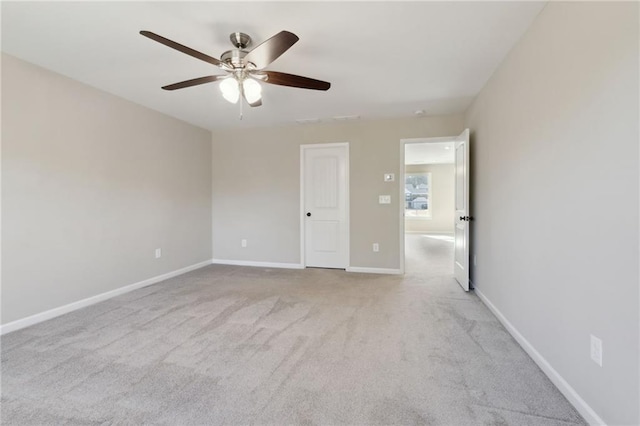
(429, 153)
(384, 59)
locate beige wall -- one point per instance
(91, 185)
(555, 197)
(256, 187)
(442, 200)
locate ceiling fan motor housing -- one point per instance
(234, 57)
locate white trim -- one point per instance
(347, 196)
(258, 264)
(303, 261)
(431, 140)
(402, 217)
(303, 147)
(374, 270)
(56, 312)
(570, 393)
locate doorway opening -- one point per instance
(428, 209)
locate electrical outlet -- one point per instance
(243, 243)
(376, 247)
(158, 253)
(596, 350)
(384, 199)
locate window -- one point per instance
(417, 195)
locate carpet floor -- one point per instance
(239, 345)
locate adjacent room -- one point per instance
(336, 213)
(429, 207)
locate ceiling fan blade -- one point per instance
(194, 82)
(291, 80)
(271, 49)
(181, 48)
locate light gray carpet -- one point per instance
(239, 345)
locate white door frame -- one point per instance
(403, 143)
(303, 261)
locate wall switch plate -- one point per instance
(243, 243)
(384, 199)
(376, 247)
(596, 350)
(389, 177)
(475, 260)
(158, 253)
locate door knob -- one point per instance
(308, 214)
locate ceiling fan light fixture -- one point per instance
(252, 90)
(230, 90)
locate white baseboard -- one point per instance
(388, 271)
(258, 264)
(570, 393)
(56, 312)
(299, 266)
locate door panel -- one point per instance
(462, 219)
(326, 235)
(325, 189)
(325, 182)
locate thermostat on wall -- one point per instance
(389, 177)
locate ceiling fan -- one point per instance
(245, 69)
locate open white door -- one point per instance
(462, 219)
(325, 205)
